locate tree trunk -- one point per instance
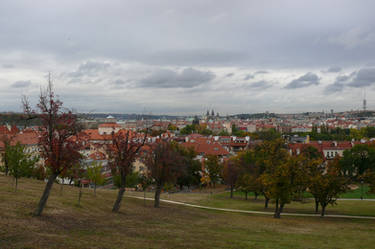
(266, 202)
(144, 197)
(316, 206)
(157, 196)
(95, 189)
(276, 214)
(256, 195)
(80, 193)
(6, 169)
(116, 206)
(15, 190)
(44, 198)
(231, 191)
(246, 195)
(281, 209)
(61, 189)
(323, 211)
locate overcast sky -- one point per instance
(184, 57)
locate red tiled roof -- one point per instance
(207, 147)
(97, 156)
(109, 125)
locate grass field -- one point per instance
(92, 225)
(222, 200)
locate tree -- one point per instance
(192, 174)
(94, 173)
(132, 180)
(279, 172)
(249, 179)
(299, 175)
(356, 161)
(20, 163)
(188, 129)
(164, 163)
(6, 140)
(268, 156)
(311, 152)
(328, 186)
(145, 181)
(280, 183)
(122, 152)
(231, 172)
(78, 173)
(214, 169)
(59, 142)
(172, 127)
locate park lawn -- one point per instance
(343, 207)
(223, 200)
(64, 224)
(352, 194)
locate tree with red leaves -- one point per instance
(165, 163)
(122, 152)
(58, 142)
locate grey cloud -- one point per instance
(8, 66)
(260, 85)
(229, 75)
(338, 85)
(261, 72)
(334, 69)
(119, 82)
(304, 81)
(252, 76)
(21, 84)
(341, 82)
(89, 68)
(188, 78)
(248, 77)
(364, 77)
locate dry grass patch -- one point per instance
(93, 225)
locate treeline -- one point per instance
(269, 170)
(323, 133)
(18, 119)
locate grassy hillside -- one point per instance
(92, 225)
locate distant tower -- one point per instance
(364, 102)
(212, 113)
(208, 113)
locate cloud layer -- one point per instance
(182, 57)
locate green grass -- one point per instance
(351, 194)
(223, 200)
(93, 225)
(357, 193)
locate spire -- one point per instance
(364, 101)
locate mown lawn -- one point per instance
(92, 225)
(223, 200)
